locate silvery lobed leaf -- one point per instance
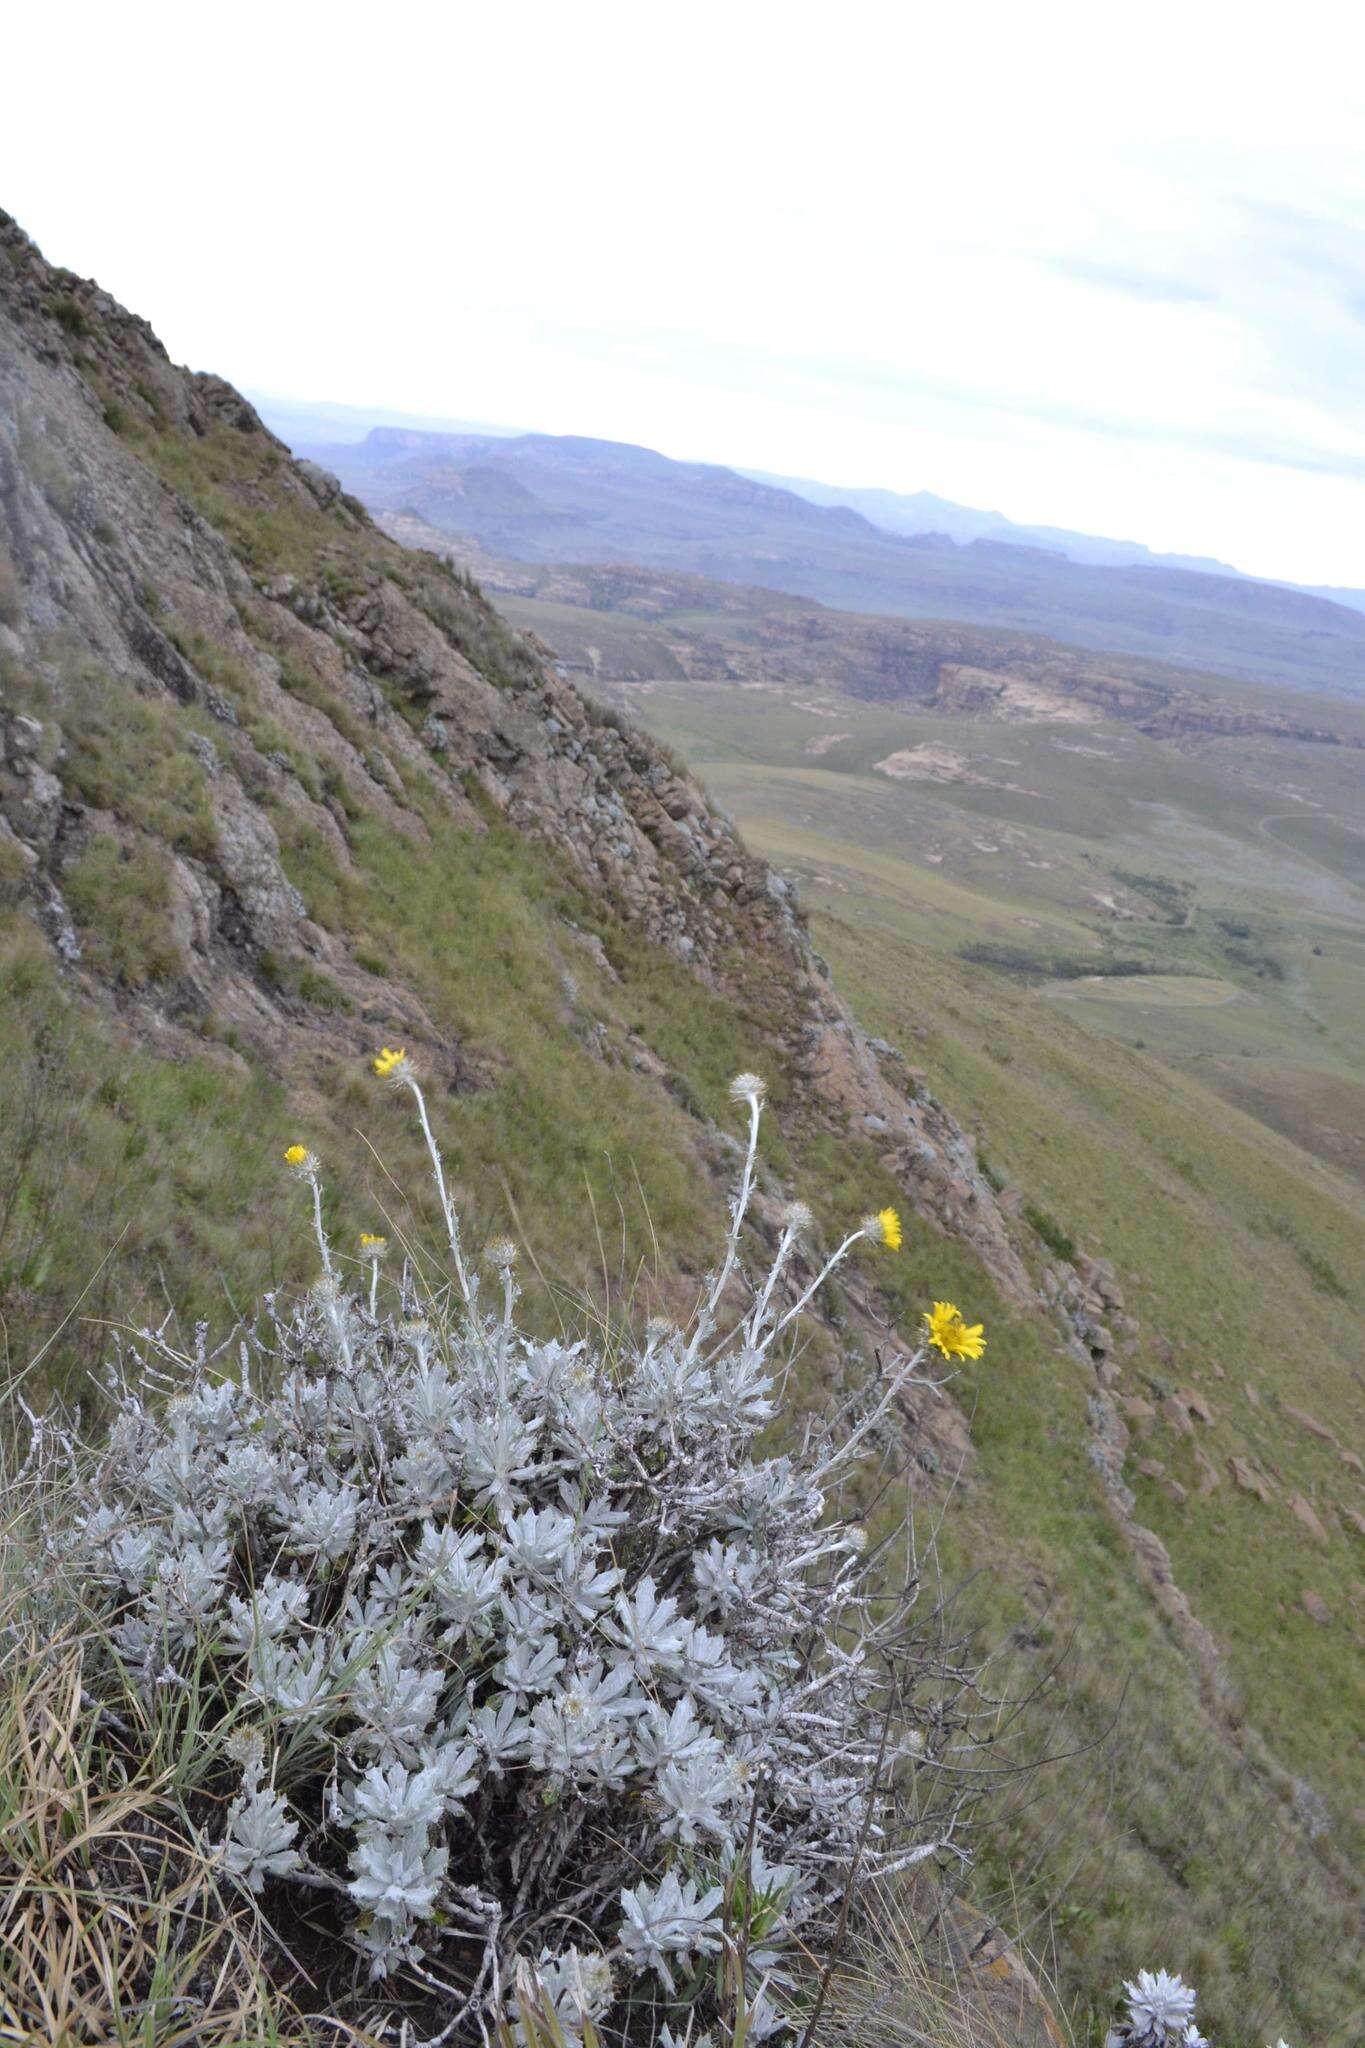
(396, 1700)
(530, 1665)
(678, 1736)
(273, 1610)
(497, 1456)
(698, 1800)
(499, 1732)
(321, 1521)
(670, 1920)
(260, 1838)
(391, 1799)
(646, 1627)
(537, 1540)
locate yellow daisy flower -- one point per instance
(372, 1245)
(883, 1228)
(943, 1326)
(390, 1064)
(297, 1155)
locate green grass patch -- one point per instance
(129, 754)
(120, 899)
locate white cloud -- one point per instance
(1097, 268)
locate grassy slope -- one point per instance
(1240, 1254)
(169, 1162)
(1133, 1154)
(142, 1168)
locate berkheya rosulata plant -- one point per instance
(523, 1654)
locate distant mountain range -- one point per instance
(564, 498)
(305, 421)
(917, 512)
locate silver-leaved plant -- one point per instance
(529, 1645)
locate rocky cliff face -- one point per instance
(212, 656)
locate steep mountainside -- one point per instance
(275, 789)
(542, 498)
(256, 755)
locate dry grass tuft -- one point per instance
(112, 1927)
(922, 1972)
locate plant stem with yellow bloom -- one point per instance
(394, 1066)
(891, 1229)
(372, 1248)
(304, 1163)
(883, 1228)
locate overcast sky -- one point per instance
(1096, 266)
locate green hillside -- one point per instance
(276, 790)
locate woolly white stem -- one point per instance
(760, 1314)
(904, 1378)
(336, 1316)
(706, 1320)
(447, 1207)
(816, 1284)
(509, 1296)
(323, 1246)
(374, 1284)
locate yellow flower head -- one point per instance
(297, 1155)
(391, 1064)
(943, 1326)
(372, 1246)
(883, 1228)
